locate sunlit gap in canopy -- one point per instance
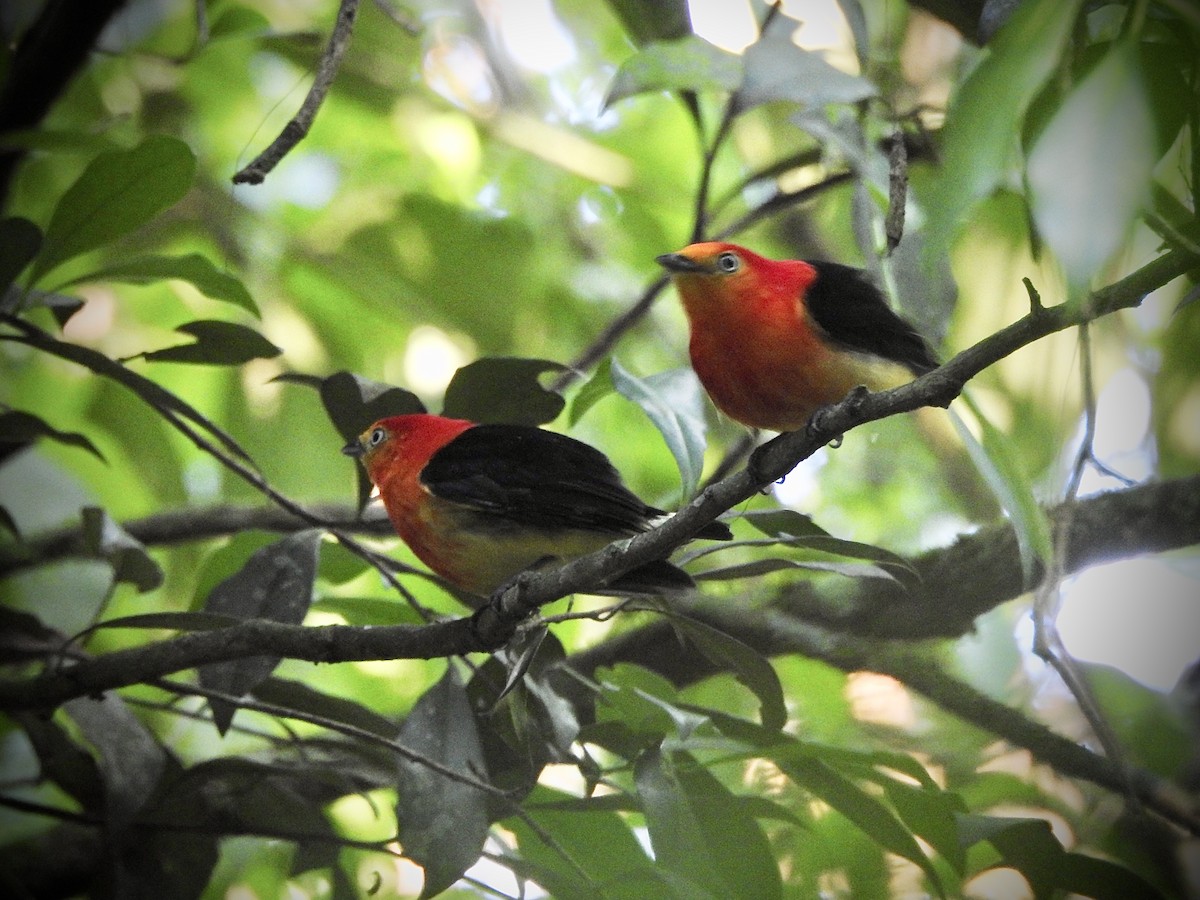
(731, 25)
(531, 33)
(1139, 615)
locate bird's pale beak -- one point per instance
(354, 448)
(677, 262)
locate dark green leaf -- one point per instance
(193, 268)
(131, 564)
(663, 20)
(276, 584)
(301, 697)
(930, 814)
(8, 523)
(130, 759)
(750, 667)
(1030, 847)
(758, 567)
(1004, 473)
(987, 112)
(675, 404)
(503, 390)
(700, 832)
(603, 858)
(676, 832)
(62, 761)
(778, 69)
(518, 655)
(20, 241)
(443, 823)
(218, 344)
(591, 392)
(117, 192)
(354, 403)
(872, 816)
(18, 427)
(783, 523)
(369, 610)
(687, 63)
(235, 20)
(61, 306)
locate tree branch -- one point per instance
(297, 127)
(957, 587)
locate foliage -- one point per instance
(471, 228)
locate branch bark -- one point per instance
(1168, 513)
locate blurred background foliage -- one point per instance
(494, 179)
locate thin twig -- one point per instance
(296, 129)
(1047, 641)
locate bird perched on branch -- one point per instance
(772, 341)
(480, 503)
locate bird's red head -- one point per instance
(403, 444)
(714, 275)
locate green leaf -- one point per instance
(591, 392)
(131, 760)
(20, 241)
(979, 141)
(193, 268)
(131, 564)
(304, 698)
(18, 427)
(1030, 847)
(756, 568)
(749, 666)
(872, 816)
(503, 390)
(597, 855)
(687, 63)
(117, 192)
(1002, 470)
(777, 69)
(443, 823)
(674, 402)
(930, 814)
(217, 344)
(699, 831)
(276, 584)
(663, 20)
(1080, 149)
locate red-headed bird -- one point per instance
(480, 503)
(774, 340)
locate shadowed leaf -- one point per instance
(443, 823)
(276, 584)
(217, 344)
(503, 390)
(117, 192)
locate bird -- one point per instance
(772, 341)
(480, 503)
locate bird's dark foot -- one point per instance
(817, 429)
(756, 466)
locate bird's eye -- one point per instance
(377, 437)
(729, 262)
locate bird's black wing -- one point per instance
(535, 478)
(854, 313)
